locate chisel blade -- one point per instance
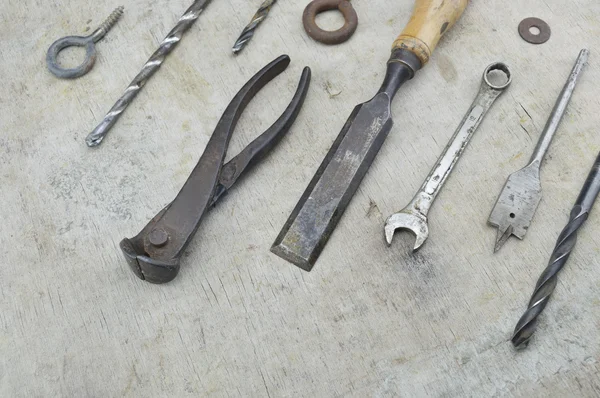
(308, 228)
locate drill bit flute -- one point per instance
(564, 245)
(248, 31)
(149, 68)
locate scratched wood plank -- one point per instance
(238, 321)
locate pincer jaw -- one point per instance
(146, 268)
(415, 223)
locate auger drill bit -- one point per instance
(248, 31)
(564, 246)
(522, 191)
(149, 68)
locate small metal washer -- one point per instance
(529, 37)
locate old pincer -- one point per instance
(154, 254)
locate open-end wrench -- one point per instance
(414, 216)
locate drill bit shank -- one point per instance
(522, 191)
(564, 246)
(149, 68)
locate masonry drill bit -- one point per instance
(149, 68)
(564, 246)
(248, 31)
(522, 192)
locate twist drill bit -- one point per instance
(248, 31)
(149, 68)
(564, 246)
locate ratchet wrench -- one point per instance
(414, 216)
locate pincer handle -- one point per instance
(428, 23)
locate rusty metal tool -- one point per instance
(414, 216)
(314, 218)
(522, 191)
(256, 20)
(154, 254)
(89, 42)
(562, 250)
(150, 67)
(330, 37)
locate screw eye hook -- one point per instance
(71, 41)
(80, 41)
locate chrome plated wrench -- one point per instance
(414, 216)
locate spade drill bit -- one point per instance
(149, 68)
(248, 31)
(564, 245)
(522, 191)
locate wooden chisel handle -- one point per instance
(428, 23)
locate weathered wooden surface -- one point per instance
(238, 321)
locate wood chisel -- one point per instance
(308, 228)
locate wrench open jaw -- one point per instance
(411, 219)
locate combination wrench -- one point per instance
(414, 216)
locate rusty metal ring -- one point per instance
(330, 37)
(529, 37)
(69, 41)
